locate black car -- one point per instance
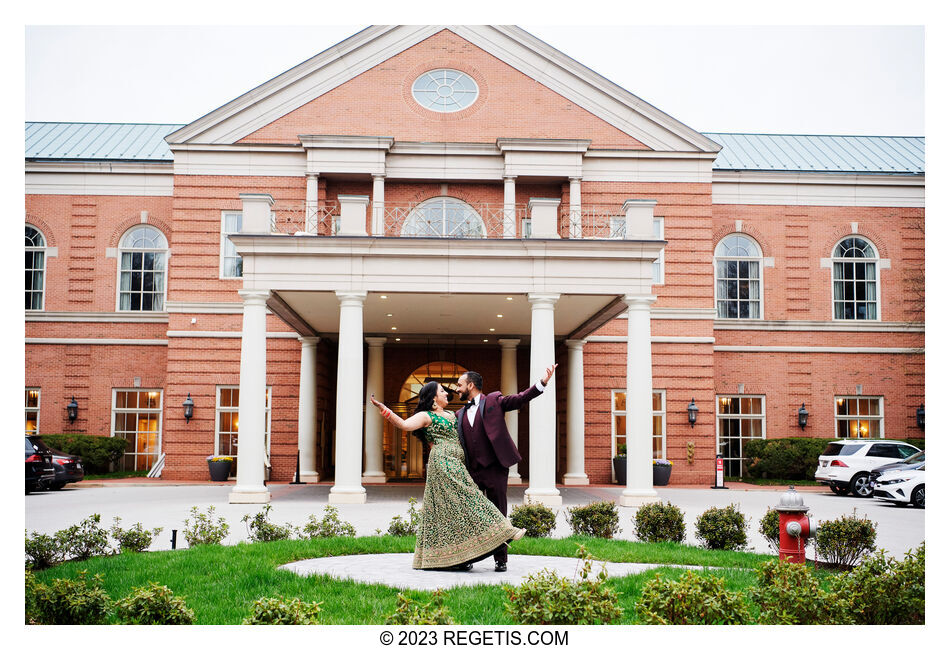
(68, 468)
(911, 462)
(39, 466)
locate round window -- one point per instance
(445, 90)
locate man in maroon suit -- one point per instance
(489, 449)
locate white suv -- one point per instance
(845, 465)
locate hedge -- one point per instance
(791, 458)
(96, 451)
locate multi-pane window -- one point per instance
(35, 268)
(739, 418)
(619, 417)
(738, 278)
(445, 90)
(855, 280)
(32, 411)
(137, 417)
(226, 422)
(142, 254)
(231, 264)
(444, 217)
(859, 417)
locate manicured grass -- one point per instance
(220, 583)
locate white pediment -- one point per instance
(368, 48)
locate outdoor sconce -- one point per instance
(691, 411)
(920, 417)
(189, 408)
(802, 417)
(72, 410)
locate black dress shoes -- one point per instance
(501, 567)
(464, 566)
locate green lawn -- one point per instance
(221, 582)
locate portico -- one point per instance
(368, 292)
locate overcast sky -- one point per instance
(831, 80)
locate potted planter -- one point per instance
(220, 467)
(661, 471)
(620, 465)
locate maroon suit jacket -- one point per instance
(489, 441)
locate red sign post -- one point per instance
(720, 474)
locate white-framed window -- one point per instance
(618, 408)
(444, 90)
(855, 282)
(658, 266)
(35, 268)
(32, 411)
(444, 217)
(526, 228)
(231, 264)
(143, 252)
(859, 416)
(227, 404)
(738, 262)
(739, 418)
(137, 417)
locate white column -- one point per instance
(349, 401)
(313, 202)
(575, 209)
(307, 410)
(575, 474)
(511, 224)
(544, 218)
(543, 409)
(639, 404)
(509, 386)
(249, 487)
(353, 215)
(379, 205)
(374, 472)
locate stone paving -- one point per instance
(395, 570)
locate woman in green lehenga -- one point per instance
(458, 524)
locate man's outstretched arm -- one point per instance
(514, 402)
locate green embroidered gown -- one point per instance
(458, 523)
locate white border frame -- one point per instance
(613, 423)
(661, 259)
(222, 243)
(39, 404)
(160, 411)
(412, 91)
(118, 270)
(836, 417)
(218, 410)
(444, 199)
(739, 416)
(877, 279)
(760, 259)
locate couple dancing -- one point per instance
(472, 451)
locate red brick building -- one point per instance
(419, 201)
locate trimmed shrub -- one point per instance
(42, 551)
(842, 542)
(884, 591)
(153, 605)
(789, 594)
(399, 527)
(283, 611)
(135, 539)
(261, 529)
(411, 612)
(548, 599)
(655, 522)
(598, 519)
(29, 601)
(204, 530)
(784, 458)
(97, 452)
(694, 599)
(84, 540)
(70, 602)
(722, 528)
(768, 528)
(330, 526)
(536, 518)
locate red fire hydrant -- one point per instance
(794, 527)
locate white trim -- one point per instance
(182, 307)
(878, 288)
(880, 406)
(67, 341)
(740, 416)
(36, 409)
(661, 258)
(222, 242)
(816, 188)
(814, 349)
(731, 258)
(32, 316)
(160, 411)
(224, 335)
(653, 339)
(38, 249)
(118, 268)
(815, 325)
(108, 178)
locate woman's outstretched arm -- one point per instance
(416, 421)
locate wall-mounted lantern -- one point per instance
(72, 410)
(802, 416)
(189, 406)
(691, 412)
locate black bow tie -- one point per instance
(470, 403)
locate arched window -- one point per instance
(738, 278)
(444, 217)
(35, 268)
(142, 254)
(855, 280)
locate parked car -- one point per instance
(846, 465)
(39, 467)
(901, 486)
(911, 462)
(68, 468)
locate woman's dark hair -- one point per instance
(426, 402)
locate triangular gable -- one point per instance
(644, 125)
